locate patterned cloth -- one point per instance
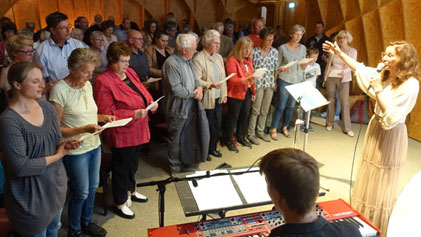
(270, 62)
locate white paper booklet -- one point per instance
(214, 192)
(311, 98)
(151, 79)
(288, 64)
(259, 72)
(335, 73)
(305, 60)
(156, 101)
(227, 78)
(117, 123)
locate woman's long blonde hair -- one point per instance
(237, 51)
(407, 63)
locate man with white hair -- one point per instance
(180, 89)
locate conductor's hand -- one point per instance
(331, 48)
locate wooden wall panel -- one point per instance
(391, 18)
(334, 16)
(373, 36)
(206, 10)
(180, 9)
(155, 8)
(113, 8)
(323, 6)
(133, 10)
(244, 15)
(412, 19)
(367, 5)
(81, 8)
(96, 7)
(45, 8)
(383, 2)
(352, 9)
(67, 7)
(25, 10)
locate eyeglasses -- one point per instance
(124, 61)
(138, 39)
(342, 37)
(28, 52)
(216, 43)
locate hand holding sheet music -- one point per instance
(226, 78)
(153, 103)
(117, 123)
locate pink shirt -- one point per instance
(338, 64)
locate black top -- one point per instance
(161, 59)
(313, 42)
(320, 227)
(139, 63)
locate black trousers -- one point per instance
(238, 115)
(214, 118)
(125, 161)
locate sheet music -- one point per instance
(227, 78)
(311, 98)
(151, 79)
(117, 123)
(152, 104)
(259, 72)
(335, 73)
(215, 192)
(288, 64)
(252, 185)
(305, 60)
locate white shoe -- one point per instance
(129, 200)
(329, 128)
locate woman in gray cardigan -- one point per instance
(36, 181)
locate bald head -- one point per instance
(135, 39)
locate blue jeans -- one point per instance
(52, 228)
(83, 172)
(284, 102)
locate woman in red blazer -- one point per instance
(119, 92)
(241, 91)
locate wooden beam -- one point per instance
(142, 16)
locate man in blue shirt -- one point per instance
(52, 54)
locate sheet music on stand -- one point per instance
(252, 185)
(215, 192)
(310, 97)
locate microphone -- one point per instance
(379, 69)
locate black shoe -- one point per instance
(215, 153)
(208, 158)
(231, 146)
(186, 169)
(95, 230)
(77, 234)
(122, 214)
(137, 197)
(243, 142)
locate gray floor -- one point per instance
(334, 150)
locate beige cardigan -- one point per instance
(153, 65)
(203, 71)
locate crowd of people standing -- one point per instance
(100, 73)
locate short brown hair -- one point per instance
(18, 72)
(117, 49)
(295, 175)
(81, 56)
(243, 42)
(16, 42)
(312, 51)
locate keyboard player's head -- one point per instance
(292, 178)
(293, 181)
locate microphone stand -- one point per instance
(298, 122)
(162, 187)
